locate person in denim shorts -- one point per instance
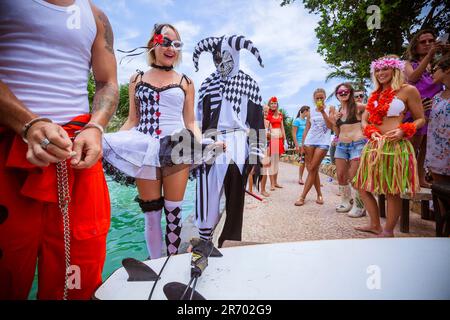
(350, 143)
(316, 143)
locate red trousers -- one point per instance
(31, 227)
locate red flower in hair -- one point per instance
(273, 99)
(158, 39)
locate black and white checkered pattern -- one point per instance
(173, 229)
(211, 44)
(239, 85)
(212, 87)
(149, 111)
(239, 42)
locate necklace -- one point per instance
(383, 99)
(165, 68)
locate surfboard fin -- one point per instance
(174, 290)
(138, 271)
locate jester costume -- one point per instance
(229, 110)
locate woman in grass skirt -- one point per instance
(388, 165)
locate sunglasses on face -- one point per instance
(175, 44)
(343, 93)
(361, 95)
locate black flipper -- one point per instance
(215, 253)
(174, 290)
(138, 271)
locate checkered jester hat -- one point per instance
(213, 45)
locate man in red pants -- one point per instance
(54, 201)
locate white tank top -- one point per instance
(318, 133)
(45, 55)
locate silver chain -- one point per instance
(62, 177)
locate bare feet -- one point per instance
(370, 229)
(278, 186)
(300, 181)
(319, 200)
(272, 188)
(386, 234)
(265, 193)
(300, 201)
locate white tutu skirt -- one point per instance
(131, 154)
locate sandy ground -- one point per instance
(276, 219)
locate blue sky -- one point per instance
(284, 36)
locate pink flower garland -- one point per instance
(393, 63)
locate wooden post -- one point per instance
(425, 209)
(404, 219)
(382, 205)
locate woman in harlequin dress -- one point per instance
(146, 150)
(388, 164)
(276, 145)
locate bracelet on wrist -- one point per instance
(409, 129)
(91, 125)
(29, 124)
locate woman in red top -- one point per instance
(276, 142)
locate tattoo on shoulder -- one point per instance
(109, 38)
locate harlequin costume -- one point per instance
(157, 147)
(387, 167)
(32, 236)
(230, 108)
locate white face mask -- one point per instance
(224, 63)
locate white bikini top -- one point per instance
(397, 106)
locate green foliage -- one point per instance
(122, 110)
(287, 122)
(348, 45)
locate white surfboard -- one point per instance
(400, 268)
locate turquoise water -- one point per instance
(126, 234)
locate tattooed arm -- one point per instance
(88, 143)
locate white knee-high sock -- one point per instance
(173, 212)
(153, 233)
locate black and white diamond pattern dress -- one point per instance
(147, 150)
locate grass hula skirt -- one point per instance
(387, 167)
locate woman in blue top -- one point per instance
(298, 128)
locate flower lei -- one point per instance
(384, 99)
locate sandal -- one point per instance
(300, 202)
(319, 200)
(301, 182)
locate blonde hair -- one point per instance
(162, 29)
(317, 91)
(398, 78)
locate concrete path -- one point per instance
(276, 219)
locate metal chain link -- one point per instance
(62, 177)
